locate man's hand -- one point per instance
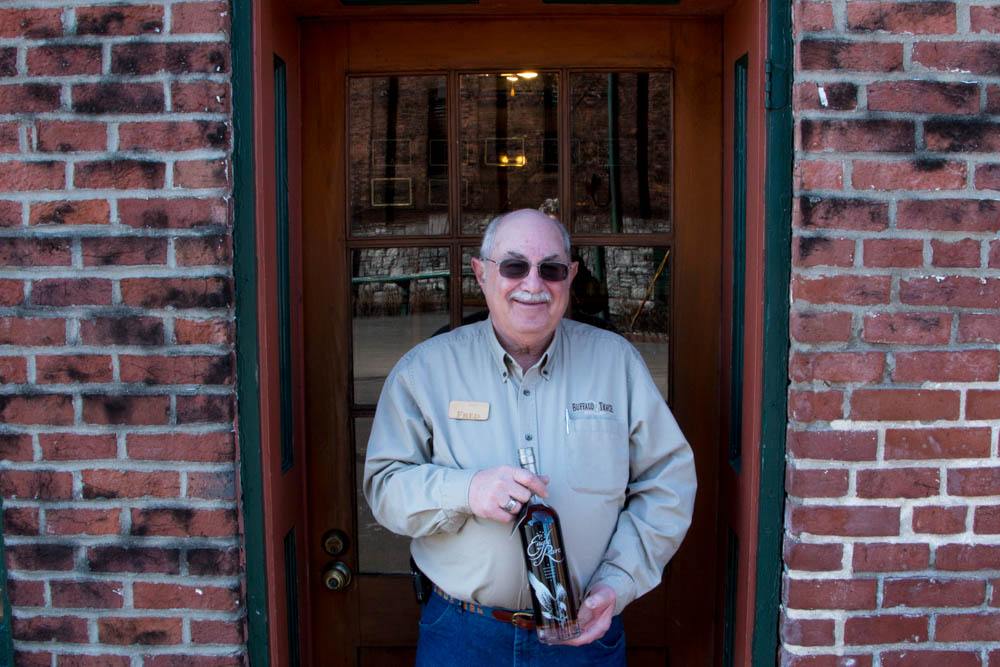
(595, 615)
(492, 489)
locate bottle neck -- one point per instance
(534, 500)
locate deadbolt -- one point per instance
(335, 542)
(337, 576)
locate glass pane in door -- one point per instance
(627, 289)
(622, 155)
(399, 297)
(509, 147)
(398, 155)
(380, 551)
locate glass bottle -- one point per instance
(548, 571)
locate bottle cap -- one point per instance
(526, 455)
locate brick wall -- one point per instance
(893, 518)
(116, 334)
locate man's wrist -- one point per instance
(618, 580)
(454, 490)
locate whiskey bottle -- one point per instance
(548, 572)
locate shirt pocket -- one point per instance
(598, 455)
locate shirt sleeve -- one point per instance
(660, 497)
(408, 494)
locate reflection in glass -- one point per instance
(509, 144)
(380, 551)
(473, 301)
(399, 298)
(627, 289)
(621, 171)
(398, 155)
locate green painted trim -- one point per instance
(6, 636)
(736, 332)
(292, 598)
(283, 288)
(777, 268)
(247, 346)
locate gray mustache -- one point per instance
(531, 297)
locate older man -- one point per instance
(612, 460)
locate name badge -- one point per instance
(472, 410)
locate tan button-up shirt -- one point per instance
(622, 474)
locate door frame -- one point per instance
(771, 408)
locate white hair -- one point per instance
(489, 236)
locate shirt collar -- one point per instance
(502, 359)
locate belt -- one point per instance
(519, 619)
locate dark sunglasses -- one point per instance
(515, 269)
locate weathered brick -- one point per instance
(841, 96)
(921, 328)
(178, 660)
(816, 483)
(904, 404)
(141, 58)
(898, 483)
(217, 447)
(216, 632)
(38, 175)
(949, 215)
(119, 174)
(29, 98)
(924, 97)
(203, 332)
(831, 594)
(920, 18)
(77, 521)
(11, 294)
(812, 557)
(201, 174)
(892, 136)
(967, 136)
(885, 629)
(64, 60)
(985, 19)
(33, 23)
(25, 593)
(968, 628)
(69, 660)
(126, 330)
(966, 557)
(124, 251)
(71, 292)
(982, 481)
(88, 594)
(70, 136)
(21, 521)
(174, 136)
(13, 370)
(102, 98)
(36, 485)
(125, 409)
(199, 17)
(10, 213)
(119, 20)
(65, 369)
(954, 291)
(971, 57)
(183, 521)
(213, 562)
(807, 631)
(174, 596)
(818, 175)
(209, 292)
(884, 253)
(15, 447)
(139, 631)
(104, 483)
(987, 177)
(937, 443)
(978, 328)
(986, 520)
(964, 366)
(200, 96)
(203, 250)
(186, 369)
(962, 253)
(36, 409)
(39, 557)
(818, 660)
(173, 213)
(77, 447)
(64, 629)
(847, 289)
(837, 367)
(833, 445)
(920, 174)
(147, 560)
(35, 252)
(212, 485)
(84, 212)
(823, 251)
(856, 521)
(910, 658)
(820, 327)
(204, 408)
(822, 54)
(939, 520)
(808, 406)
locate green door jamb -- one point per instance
(6, 640)
(247, 383)
(777, 267)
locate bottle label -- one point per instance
(541, 548)
(544, 576)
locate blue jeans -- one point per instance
(451, 636)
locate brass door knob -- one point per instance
(335, 542)
(337, 576)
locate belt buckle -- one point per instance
(523, 619)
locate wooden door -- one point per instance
(416, 132)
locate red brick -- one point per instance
(966, 557)
(904, 404)
(188, 660)
(130, 484)
(834, 97)
(908, 328)
(933, 593)
(211, 485)
(819, 54)
(31, 23)
(971, 57)
(68, 629)
(818, 175)
(893, 136)
(974, 481)
(880, 253)
(85, 212)
(954, 291)
(10, 142)
(207, 332)
(22, 176)
(39, 557)
(788, 660)
(910, 658)
(174, 136)
(993, 99)
(32, 659)
(21, 521)
(199, 17)
(983, 404)
(66, 369)
(94, 661)
(124, 251)
(183, 522)
(201, 174)
(885, 629)
(130, 97)
(70, 136)
(833, 445)
(204, 408)
(978, 328)
(174, 596)
(924, 97)
(968, 628)
(209, 292)
(898, 483)
(812, 557)
(890, 557)
(64, 60)
(122, 331)
(71, 292)
(139, 631)
(13, 370)
(145, 560)
(808, 406)
(124, 409)
(216, 632)
(854, 290)
(962, 136)
(921, 174)
(173, 213)
(78, 521)
(11, 294)
(857, 521)
(822, 251)
(216, 447)
(187, 369)
(949, 215)
(963, 253)
(986, 520)
(8, 61)
(200, 96)
(820, 327)
(119, 174)
(77, 447)
(36, 485)
(203, 250)
(965, 366)
(939, 520)
(807, 631)
(141, 58)
(830, 594)
(34, 252)
(816, 483)
(29, 98)
(119, 20)
(837, 367)
(10, 213)
(920, 18)
(87, 594)
(937, 443)
(987, 177)
(15, 447)
(213, 562)
(36, 409)
(24, 593)
(985, 19)
(993, 261)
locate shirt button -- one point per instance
(527, 392)
(528, 437)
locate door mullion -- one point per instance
(565, 152)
